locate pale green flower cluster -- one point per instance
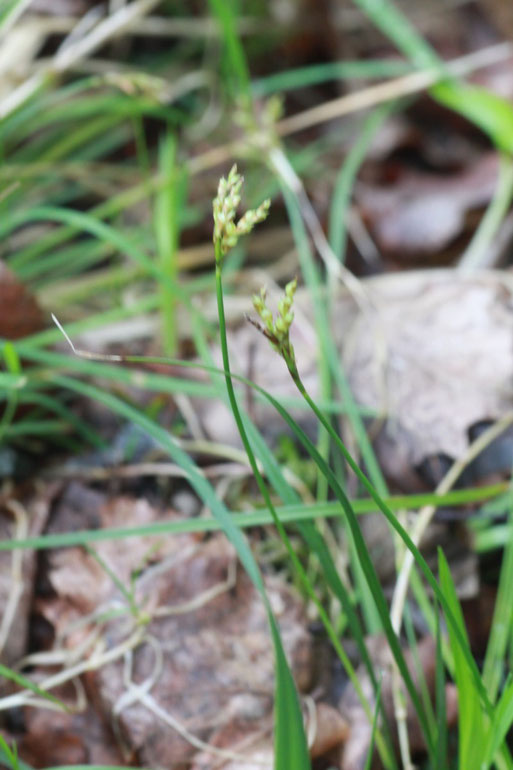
(259, 126)
(277, 330)
(226, 231)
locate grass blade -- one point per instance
(441, 716)
(502, 623)
(27, 684)
(169, 202)
(237, 73)
(288, 515)
(471, 720)
(501, 723)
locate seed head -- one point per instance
(225, 205)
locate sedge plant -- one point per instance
(226, 234)
(290, 740)
(277, 330)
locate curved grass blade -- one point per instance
(471, 721)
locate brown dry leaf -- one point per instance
(447, 343)
(20, 314)
(353, 753)
(422, 213)
(205, 659)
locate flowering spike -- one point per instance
(278, 330)
(226, 232)
(253, 217)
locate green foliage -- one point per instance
(471, 719)
(10, 10)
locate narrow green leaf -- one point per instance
(490, 112)
(471, 719)
(169, 202)
(395, 25)
(246, 520)
(236, 66)
(501, 723)
(10, 381)
(441, 715)
(377, 708)
(11, 358)
(290, 745)
(313, 74)
(10, 756)
(502, 623)
(27, 684)
(419, 559)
